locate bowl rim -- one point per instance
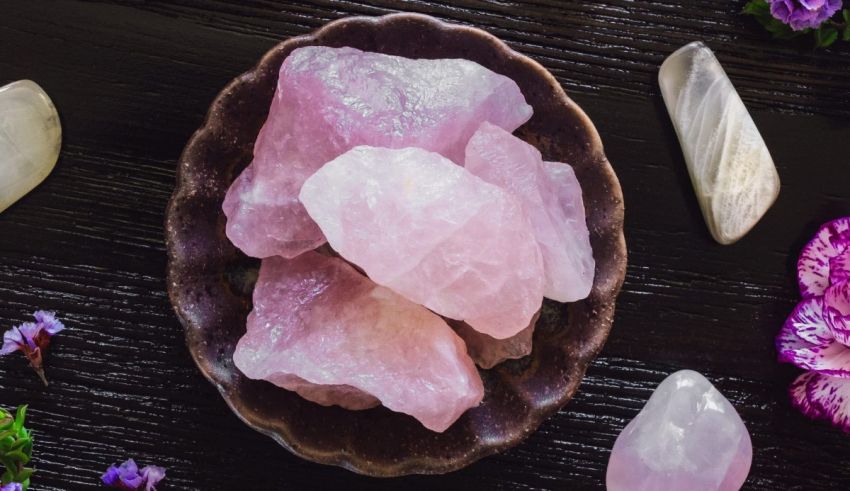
(589, 350)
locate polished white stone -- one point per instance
(729, 164)
(30, 137)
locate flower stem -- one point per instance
(40, 372)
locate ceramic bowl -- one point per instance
(210, 281)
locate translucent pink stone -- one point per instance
(324, 330)
(327, 395)
(688, 437)
(427, 228)
(551, 195)
(487, 351)
(329, 100)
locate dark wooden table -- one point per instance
(132, 80)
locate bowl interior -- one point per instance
(210, 281)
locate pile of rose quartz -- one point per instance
(409, 171)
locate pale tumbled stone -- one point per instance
(30, 137)
(329, 100)
(729, 164)
(324, 330)
(687, 437)
(433, 232)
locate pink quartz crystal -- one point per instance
(427, 228)
(329, 100)
(317, 320)
(327, 395)
(687, 437)
(488, 352)
(551, 195)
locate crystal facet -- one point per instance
(551, 196)
(487, 351)
(688, 436)
(729, 164)
(427, 228)
(322, 329)
(30, 137)
(329, 100)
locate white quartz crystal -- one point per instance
(730, 167)
(30, 137)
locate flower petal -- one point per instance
(800, 396)
(839, 325)
(48, 322)
(152, 475)
(830, 357)
(839, 268)
(836, 311)
(813, 267)
(830, 396)
(29, 331)
(812, 4)
(110, 477)
(12, 341)
(838, 297)
(807, 322)
(781, 9)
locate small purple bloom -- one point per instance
(32, 338)
(129, 477)
(804, 14)
(48, 322)
(12, 486)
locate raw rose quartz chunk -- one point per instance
(318, 322)
(687, 437)
(551, 195)
(425, 227)
(329, 100)
(487, 351)
(327, 395)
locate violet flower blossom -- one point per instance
(12, 486)
(816, 337)
(803, 14)
(129, 477)
(32, 338)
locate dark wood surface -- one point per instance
(132, 81)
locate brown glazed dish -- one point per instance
(210, 281)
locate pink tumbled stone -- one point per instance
(329, 100)
(427, 228)
(324, 330)
(688, 437)
(551, 195)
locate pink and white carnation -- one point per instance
(816, 336)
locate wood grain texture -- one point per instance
(132, 81)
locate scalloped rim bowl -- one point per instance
(210, 281)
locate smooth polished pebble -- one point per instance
(730, 167)
(30, 138)
(688, 437)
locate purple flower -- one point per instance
(816, 337)
(12, 486)
(804, 14)
(32, 338)
(129, 477)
